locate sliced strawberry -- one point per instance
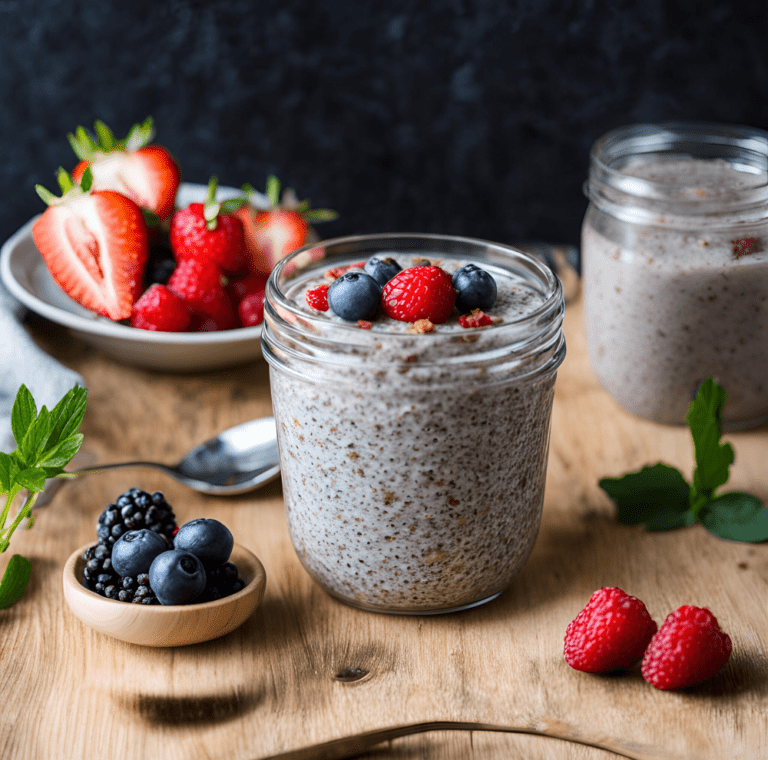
(274, 227)
(147, 174)
(94, 244)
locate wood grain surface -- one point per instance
(308, 677)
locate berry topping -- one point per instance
(419, 292)
(160, 309)
(317, 298)
(209, 540)
(355, 295)
(610, 633)
(688, 648)
(364, 324)
(134, 551)
(477, 318)
(251, 309)
(209, 232)
(177, 577)
(421, 326)
(475, 288)
(382, 270)
(745, 246)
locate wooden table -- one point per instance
(308, 677)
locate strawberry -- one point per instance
(160, 309)
(147, 174)
(688, 648)
(274, 228)
(610, 633)
(419, 292)
(200, 286)
(209, 232)
(251, 309)
(94, 244)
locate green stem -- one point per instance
(12, 494)
(25, 510)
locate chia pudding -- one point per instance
(675, 255)
(413, 465)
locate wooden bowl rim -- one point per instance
(254, 586)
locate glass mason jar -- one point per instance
(675, 262)
(413, 465)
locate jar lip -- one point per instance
(660, 137)
(552, 290)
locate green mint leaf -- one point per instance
(655, 495)
(32, 478)
(713, 459)
(737, 517)
(15, 581)
(67, 415)
(59, 456)
(5, 473)
(23, 413)
(36, 438)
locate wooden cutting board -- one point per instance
(308, 677)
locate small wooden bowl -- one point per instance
(160, 625)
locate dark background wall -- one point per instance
(464, 116)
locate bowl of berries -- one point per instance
(152, 271)
(149, 582)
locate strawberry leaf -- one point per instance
(273, 190)
(319, 215)
(737, 517)
(15, 581)
(107, 140)
(23, 413)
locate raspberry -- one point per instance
(745, 246)
(420, 292)
(160, 309)
(610, 633)
(477, 318)
(364, 324)
(688, 648)
(251, 309)
(317, 298)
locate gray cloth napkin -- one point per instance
(22, 361)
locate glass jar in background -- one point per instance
(413, 465)
(675, 266)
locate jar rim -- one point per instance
(553, 294)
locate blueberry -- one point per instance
(382, 270)
(134, 551)
(176, 577)
(476, 288)
(354, 295)
(207, 539)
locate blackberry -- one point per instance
(136, 590)
(133, 510)
(222, 581)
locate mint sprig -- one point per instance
(46, 441)
(659, 496)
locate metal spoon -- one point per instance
(235, 461)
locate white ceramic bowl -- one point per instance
(26, 276)
(157, 625)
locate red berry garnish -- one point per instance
(251, 309)
(689, 648)
(745, 246)
(160, 309)
(420, 292)
(610, 633)
(477, 318)
(317, 298)
(364, 324)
